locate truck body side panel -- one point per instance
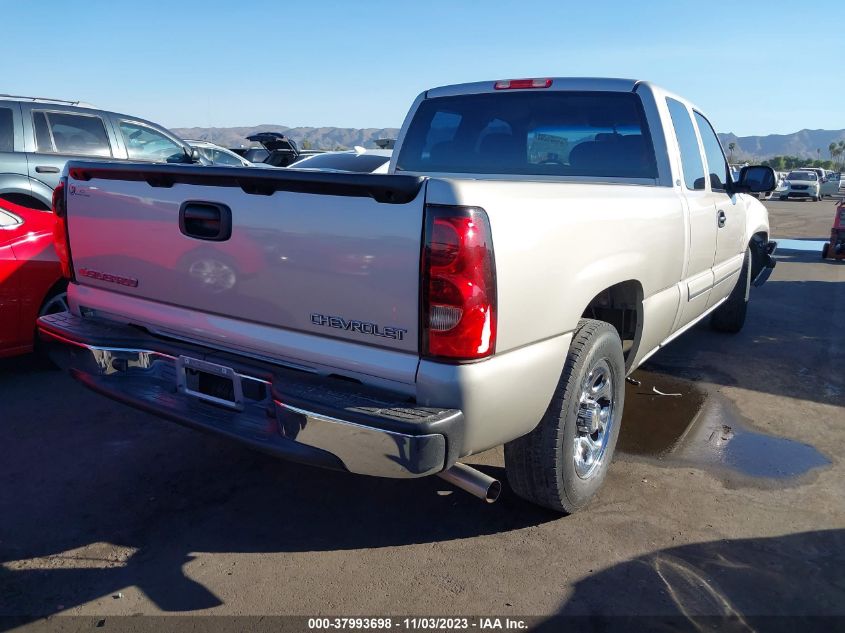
(558, 245)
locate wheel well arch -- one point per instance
(620, 305)
(24, 191)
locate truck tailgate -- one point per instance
(334, 255)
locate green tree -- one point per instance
(306, 144)
(731, 148)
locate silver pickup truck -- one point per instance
(533, 242)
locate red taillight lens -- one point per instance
(459, 285)
(60, 238)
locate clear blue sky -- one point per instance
(360, 63)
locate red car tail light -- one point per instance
(458, 320)
(60, 234)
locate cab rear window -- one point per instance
(601, 134)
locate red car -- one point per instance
(31, 282)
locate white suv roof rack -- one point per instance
(79, 104)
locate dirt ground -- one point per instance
(727, 500)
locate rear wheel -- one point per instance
(562, 463)
(730, 316)
(825, 250)
(56, 302)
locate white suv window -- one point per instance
(144, 143)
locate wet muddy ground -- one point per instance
(725, 500)
(676, 421)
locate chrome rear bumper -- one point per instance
(292, 414)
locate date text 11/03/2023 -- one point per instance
(417, 624)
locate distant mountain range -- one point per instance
(803, 143)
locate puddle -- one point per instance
(800, 245)
(702, 430)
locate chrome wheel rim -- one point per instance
(56, 303)
(595, 420)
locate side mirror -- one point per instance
(755, 179)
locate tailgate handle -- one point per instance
(210, 221)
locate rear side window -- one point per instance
(716, 163)
(691, 162)
(223, 158)
(602, 134)
(65, 133)
(7, 131)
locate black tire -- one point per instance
(730, 316)
(54, 302)
(783, 198)
(825, 250)
(541, 466)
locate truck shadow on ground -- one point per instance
(101, 497)
(796, 575)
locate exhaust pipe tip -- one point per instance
(493, 491)
(473, 481)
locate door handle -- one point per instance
(46, 169)
(723, 219)
(205, 221)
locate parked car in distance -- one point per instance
(401, 322)
(38, 136)
(281, 150)
(360, 159)
(802, 184)
(830, 185)
(820, 173)
(31, 281)
(254, 155)
(220, 156)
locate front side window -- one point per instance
(65, 133)
(7, 131)
(717, 166)
(556, 133)
(144, 143)
(691, 163)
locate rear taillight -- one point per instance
(60, 235)
(458, 320)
